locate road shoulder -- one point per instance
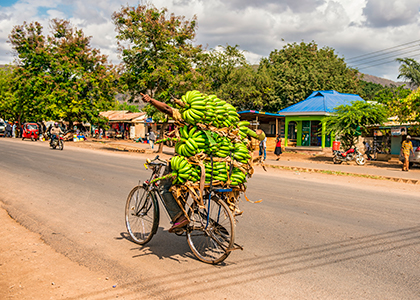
(30, 269)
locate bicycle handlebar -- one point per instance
(153, 162)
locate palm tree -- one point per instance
(409, 70)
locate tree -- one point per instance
(299, 69)
(126, 106)
(60, 76)
(30, 76)
(6, 94)
(158, 54)
(227, 74)
(409, 70)
(348, 121)
(406, 107)
(392, 97)
(368, 90)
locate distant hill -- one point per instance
(382, 81)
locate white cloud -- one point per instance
(381, 13)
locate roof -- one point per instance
(259, 113)
(121, 115)
(320, 103)
(252, 114)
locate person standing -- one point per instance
(263, 146)
(14, 130)
(406, 149)
(152, 138)
(277, 150)
(8, 130)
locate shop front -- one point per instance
(122, 124)
(306, 131)
(303, 120)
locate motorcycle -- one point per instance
(57, 142)
(349, 155)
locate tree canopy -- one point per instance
(409, 70)
(158, 54)
(59, 76)
(349, 120)
(227, 74)
(299, 69)
(157, 51)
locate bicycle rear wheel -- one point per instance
(141, 215)
(211, 232)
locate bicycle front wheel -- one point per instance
(141, 215)
(211, 232)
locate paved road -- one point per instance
(306, 240)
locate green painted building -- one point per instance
(303, 120)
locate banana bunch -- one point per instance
(183, 170)
(243, 129)
(208, 109)
(241, 153)
(194, 108)
(192, 141)
(195, 138)
(237, 177)
(174, 139)
(225, 114)
(224, 146)
(220, 171)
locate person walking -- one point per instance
(368, 149)
(263, 147)
(406, 149)
(152, 139)
(277, 150)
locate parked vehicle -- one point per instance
(2, 128)
(57, 142)
(30, 131)
(415, 159)
(349, 155)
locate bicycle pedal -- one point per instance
(238, 213)
(179, 231)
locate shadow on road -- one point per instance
(163, 245)
(194, 282)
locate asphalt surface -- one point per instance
(308, 239)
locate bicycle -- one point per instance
(211, 230)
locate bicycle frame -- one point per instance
(211, 229)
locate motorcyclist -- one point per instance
(55, 132)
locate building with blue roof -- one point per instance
(303, 126)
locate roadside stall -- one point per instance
(120, 123)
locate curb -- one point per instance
(339, 173)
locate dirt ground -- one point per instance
(30, 269)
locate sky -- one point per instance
(368, 34)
